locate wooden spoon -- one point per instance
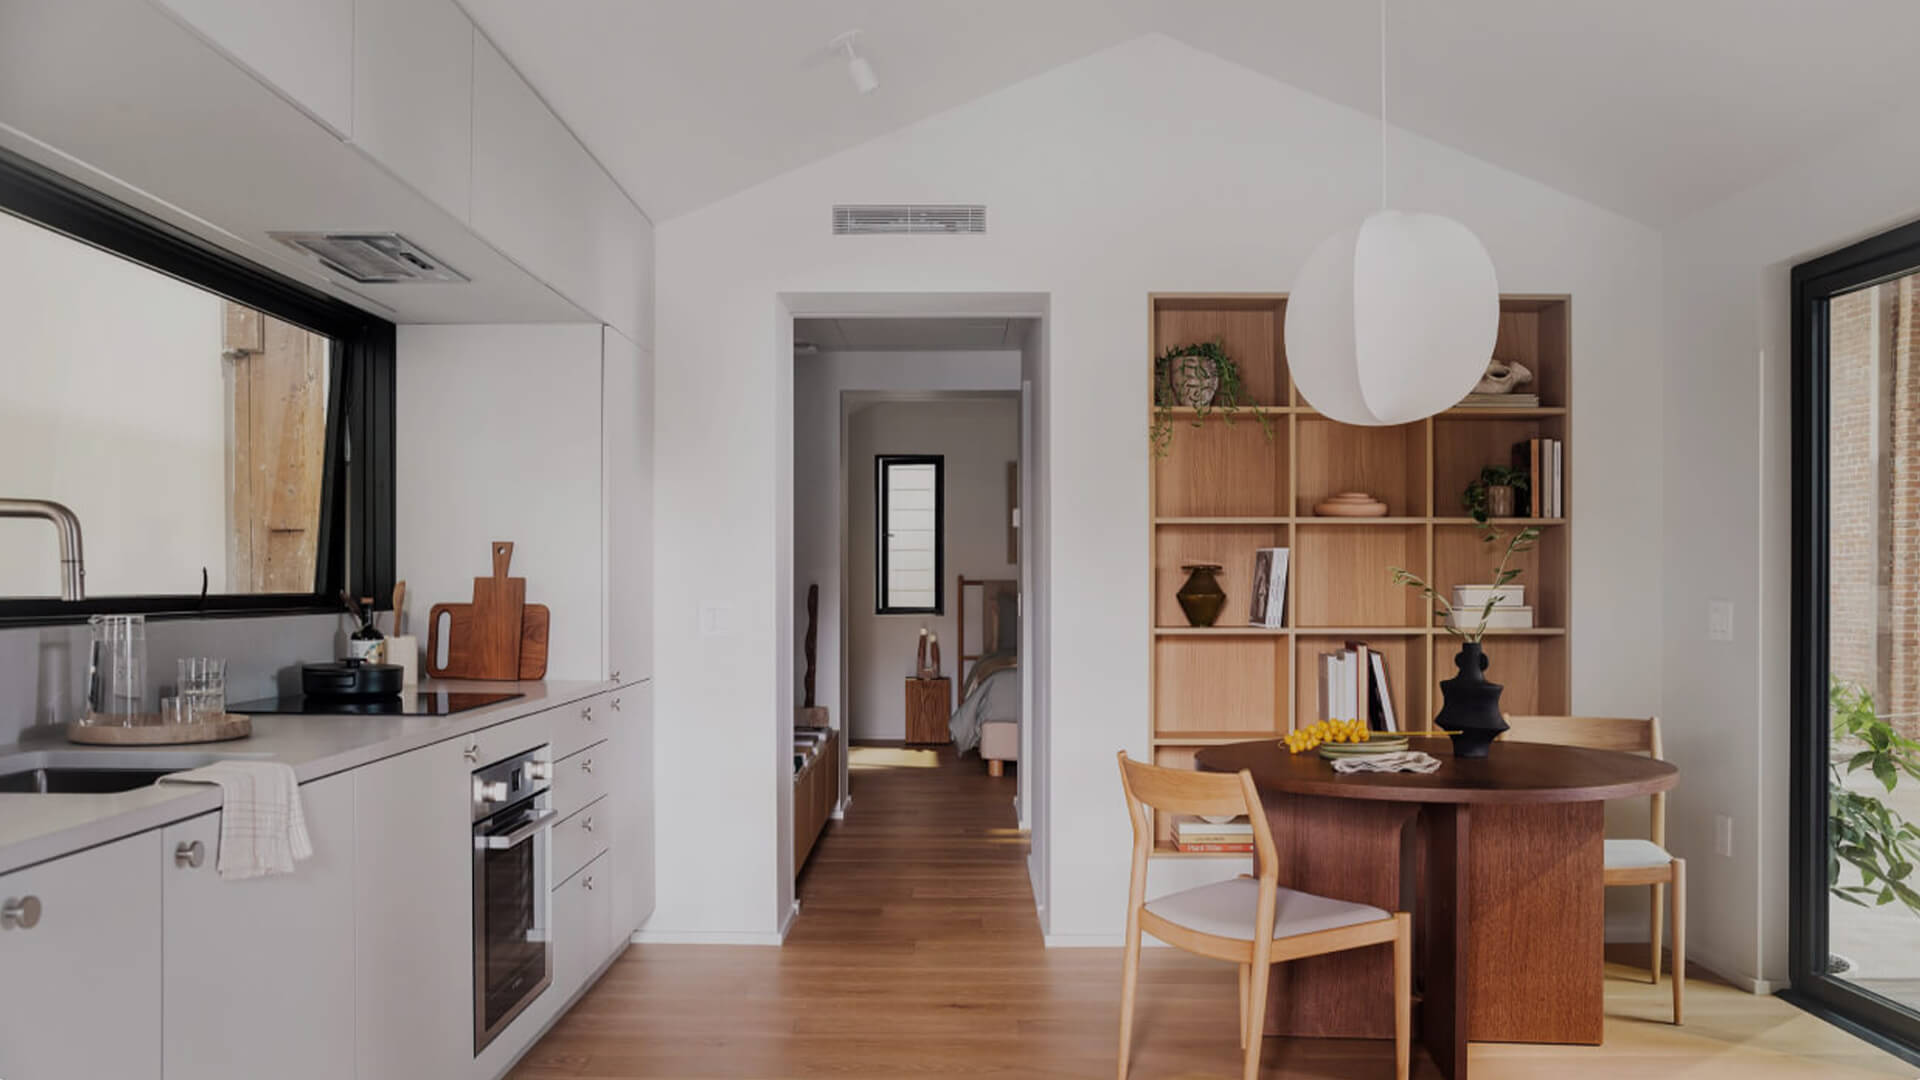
(399, 595)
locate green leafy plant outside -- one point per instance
(1228, 399)
(1504, 573)
(1474, 499)
(1862, 831)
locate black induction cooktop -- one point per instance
(421, 703)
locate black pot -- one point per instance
(351, 679)
(1471, 713)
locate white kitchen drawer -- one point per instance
(582, 926)
(580, 779)
(581, 838)
(583, 723)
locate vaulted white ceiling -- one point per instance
(1653, 108)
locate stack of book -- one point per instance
(1353, 686)
(1510, 608)
(1542, 460)
(1198, 834)
(1500, 401)
(1269, 606)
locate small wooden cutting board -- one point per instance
(483, 637)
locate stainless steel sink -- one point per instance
(96, 772)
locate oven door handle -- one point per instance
(503, 841)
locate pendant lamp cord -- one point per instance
(1383, 104)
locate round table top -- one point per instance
(1512, 772)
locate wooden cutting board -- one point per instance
(534, 622)
(535, 619)
(483, 637)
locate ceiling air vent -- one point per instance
(877, 220)
(371, 258)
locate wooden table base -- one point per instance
(1508, 907)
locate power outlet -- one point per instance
(1723, 835)
(1719, 620)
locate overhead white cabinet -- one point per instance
(626, 426)
(83, 981)
(630, 861)
(413, 94)
(259, 972)
(301, 48)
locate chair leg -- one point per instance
(1258, 976)
(1679, 937)
(1402, 994)
(1129, 979)
(1246, 971)
(1657, 913)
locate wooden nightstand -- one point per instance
(927, 710)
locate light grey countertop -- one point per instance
(35, 828)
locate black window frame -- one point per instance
(355, 550)
(1890, 255)
(881, 462)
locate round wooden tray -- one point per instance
(229, 726)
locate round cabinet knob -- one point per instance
(190, 855)
(586, 765)
(21, 914)
(587, 823)
(586, 713)
(472, 752)
(587, 883)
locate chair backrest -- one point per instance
(1628, 734)
(1186, 791)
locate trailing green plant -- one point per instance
(1474, 499)
(1184, 366)
(1862, 831)
(1504, 573)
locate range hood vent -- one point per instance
(909, 220)
(371, 258)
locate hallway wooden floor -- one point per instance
(917, 955)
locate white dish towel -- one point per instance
(263, 829)
(1401, 761)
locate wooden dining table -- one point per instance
(1499, 860)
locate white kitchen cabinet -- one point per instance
(413, 903)
(259, 977)
(413, 94)
(84, 999)
(626, 428)
(631, 860)
(301, 48)
(582, 926)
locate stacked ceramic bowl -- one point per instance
(1377, 743)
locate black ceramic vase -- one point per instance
(1471, 713)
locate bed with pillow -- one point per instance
(988, 718)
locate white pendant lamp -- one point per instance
(1392, 320)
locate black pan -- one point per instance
(350, 679)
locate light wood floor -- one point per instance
(917, 955)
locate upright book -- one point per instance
(1269, 605)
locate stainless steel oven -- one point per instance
(512, 907)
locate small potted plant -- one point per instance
(1201, 377)
(1470, 714)
(1495, 494)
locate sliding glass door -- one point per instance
(1856, 753)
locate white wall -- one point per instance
(1728, 490)
(1101, 188)
(499, 439)
(820, 382)
(115, 405)
(978, 437)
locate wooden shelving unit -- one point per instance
(1224, 490)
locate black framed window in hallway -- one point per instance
(1855, 800)
(910, 548)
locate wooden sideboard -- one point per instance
(816, 791)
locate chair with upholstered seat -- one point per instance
(1628, 861)
(1252, 922)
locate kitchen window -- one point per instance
(222, 436)
(910, 527)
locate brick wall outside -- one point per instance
(1854, 358)
(1901, 520)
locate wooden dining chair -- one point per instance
(1628, 861)
(1252, 922)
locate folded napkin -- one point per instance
(263, 829)
(1399, 761)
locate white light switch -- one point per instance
(1723, 835)
(1719, 620)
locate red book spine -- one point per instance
(1238, 848)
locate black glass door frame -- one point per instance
(1882, 258)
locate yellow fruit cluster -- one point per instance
(1326, 731)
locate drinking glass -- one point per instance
(202, 686)
(117, 669)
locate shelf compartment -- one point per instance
(1406, 661)
(1388, 463)
(1248, 327)
(1220, 685)
(1460, 557)
(1341, 575)
(1461, 448)
(1231, 546)
(1534, 331)
(1221, 470)
(1533, 670)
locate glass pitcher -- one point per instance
(117, 670)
